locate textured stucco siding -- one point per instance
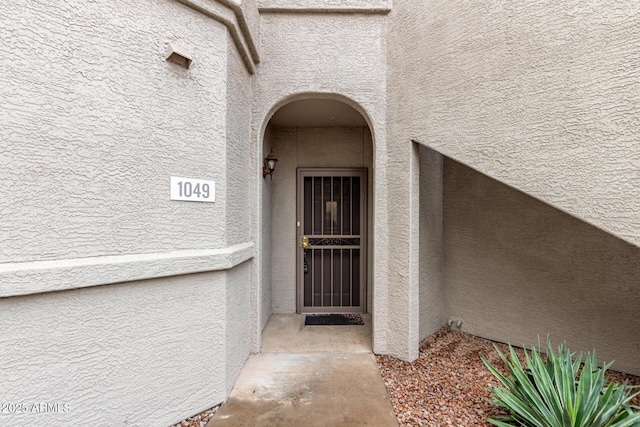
(339, 56)
(266, 235)
(251, 16)
(318, 53)
(238, 149)
(146, 353)
(95, 121)
(431, 287)
(238, 322)
(242, 316)
(516, 268)
(403, 207)
(296, 148)
(544, 96)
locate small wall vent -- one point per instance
(178, 55)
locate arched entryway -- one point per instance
(321, 190)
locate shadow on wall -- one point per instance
(516, 268)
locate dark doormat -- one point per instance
(333, 319)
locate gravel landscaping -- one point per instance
(448, 385)
(198, 420)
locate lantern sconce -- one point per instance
(269, 165)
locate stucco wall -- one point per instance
(238, 321)
(304, 147)
(144, 353)
(326, 53)
(95, 121)
(544, 96)
(339, 56)
(516, 269)
(101, 121)
(238, 149)
(431, 254)
(266, 234)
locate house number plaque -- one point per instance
(192, 190)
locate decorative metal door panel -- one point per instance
(331, 235)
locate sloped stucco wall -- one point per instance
(516, 268)
(544, 96)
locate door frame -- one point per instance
(300, 173)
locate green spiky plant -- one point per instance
(556, 393)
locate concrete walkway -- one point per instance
(309, 376)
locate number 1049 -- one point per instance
(187, 189)
(194, 190)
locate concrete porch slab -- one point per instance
(309, 376)
(287, 333)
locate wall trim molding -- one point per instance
(25, 278)
(230, 14)
(370, 7)
(326, 10)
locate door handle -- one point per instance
(305, 243)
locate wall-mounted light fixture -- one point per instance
(178, 55)
(269, 165)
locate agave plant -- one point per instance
(557, 393)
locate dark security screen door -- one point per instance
(331, 222)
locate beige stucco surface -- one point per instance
(102, 121)
(516, 269)
(237, 145)
(431, 288)
(94, 122)
(544, 96)
(142, 353)
(238, 327)
(338, 56)
(265, 234)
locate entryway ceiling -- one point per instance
(318, 113)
